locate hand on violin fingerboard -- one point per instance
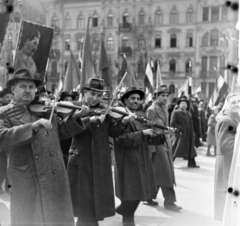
(81, 113)
(131, 117)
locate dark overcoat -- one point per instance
(202, 123)
(134, 176)
(225, 137)
(90, 172)
(40, 193)
(211, 139)
(196, 124)
(163, 160)
(183, 146)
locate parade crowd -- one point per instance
(58, 165)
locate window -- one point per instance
(54, 68)
(215, 13)
(205, 13)
(214, 38)
(213, 64)
(172, 66)
(110, 43)
(110, 20)
(189, 40)
(173, 40)
(158, 17)
(224, 13)
(174, 17)
(95, 21)
(158, 41)
(80, 44)
(125, 18)
(68, 22)
(204, 64)
(141, 17)
(190, 15)
(55, 21)
(188, 67)
(125, 41)
(211, 87)
(80, 22)
(94, 43)
(67, 44)
(16, 21)
(205, 39)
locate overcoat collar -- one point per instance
(234, 116)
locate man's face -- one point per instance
(67, 99)
(7, 98)
(163, 98)
(23, 92)
(133, 102)
(183, 105)
(31, 46)
(93, 97)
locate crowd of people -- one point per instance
(57, 168)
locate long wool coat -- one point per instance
(163, 161)
(90, 172)
(211, 139)
(40, 193)
(134, 176)
(184, 144)
(225, 137)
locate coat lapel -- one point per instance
(161, 113)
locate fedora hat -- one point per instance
(131, 90)
(23, 74)
(95, 84)
(181, 99)
(162, 89)
(5, 91)
(65, 94)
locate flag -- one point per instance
(72, 77)
(123, 70)
(159, 77)
(219, 93)
(103, 66)
(80, 55)
(87, 66)
(149, 74)
(183, 90)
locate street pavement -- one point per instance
(194, 193)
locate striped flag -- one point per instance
(149, 74)
(183, 90)
(159, 77)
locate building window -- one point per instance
(94, 43)
(141, 17)
(158, 17)
(16, 21)
(68, 22)
(189, 40)
(95, 21)
(158, 41)
(55, 21)
(204, 63)
(213, 64)
(67, 44)
(188, 67)
(174, 16)
(205, 13)
(54, 68)
(110, 43)
(205, 39)
(80, 22)
(211, 87)
(172, 66)
(224, 13)
(214, 38)
(173, 40)
(125, 41)
(215, 13)
(190, 15)
(80, 44)
(125, 18)
(110, 20)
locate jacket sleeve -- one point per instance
(14, 136)
(175, 122)
(225, 135)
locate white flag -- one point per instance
(149, 74)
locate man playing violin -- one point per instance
(135, 180)
(89, 165)
(161, 155)
(39, 193)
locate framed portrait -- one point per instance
(33, 47)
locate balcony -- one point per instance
(126, 50)
(125, 26)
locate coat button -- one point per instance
(51, 153)
(54, 171)
(41, 176)
(36, 156)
